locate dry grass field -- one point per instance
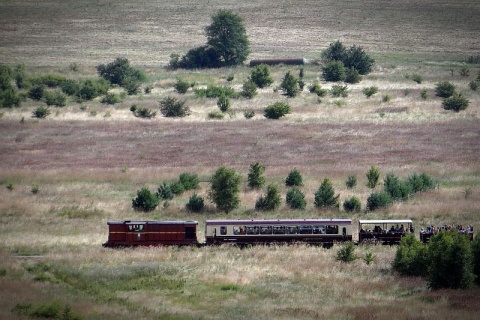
(89, 159)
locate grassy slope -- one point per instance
(89, 167)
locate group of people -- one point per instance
(461, 229)
(393, 229)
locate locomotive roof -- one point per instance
(384, 221)
(278, 221)
(151, 222)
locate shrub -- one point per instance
(216, 115)
(49, 80)
(476, 258)
(295, 198)
(195, 203)
(9, 98)
(174, 62)
(369, 257)
(255, 175)
(420, 182)
(444, 89)
(189, 180)
(334, 71)
(213, 91)
(276, 110)
(145, 200)
(339, 90)
(177, 188)
(261, 76)
(200, 57)
(249, 114)
(358, 59)
(465, 72)
(41, 112)
(91, 89)
(249, 89)
(225, 189)
(271, 200)
(456, 103)
(55, 98)
(182, 86)
(424, 94)
(36, 92)
(336, 51)
(142, 112)
(317, 89)
(352, 205)
(473, 85)
(410, 258)
(346, 253)
(396, 188)
(35, 188)
(325, 195)
(289, 85)
(223, 103)
(373, 175)
(71, 87)
(351, 182)
(171, 107)
(378, 200)
(352, 76)
(110, 98)
(120, 72)
(165, 192)
(417, 78)
(294, 178)
(370, 91)
(386, 98)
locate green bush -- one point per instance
(370, 91)
(378, 200)
(295, 198)
(249, 114)
(396, 188)
(352, 205)
(199, 58)
(261, 76)
(417, 78)
(145, 200)
(294, 178)
(213, 91)
(182, 86)
(41, 112)
(325, 195)
(334, 71)
(271, 200)
(49, 80)
(36, 92)
(373, 176)
(55, 98)
(216, 115)
(455, 103)
(225, 189)
(249, 89)
(224, 103)
(424, 94)
(358, 59)
(255, 176)
(336, 51)
(410, 258)
(195, 203)
(346, 253)
(420, 182)
(177, 188)
(339, 90)
(110, 98)
(476, 258)
(171, 107)
(352, 76)
(473, 85)
(165, 192)
(142, 112)
(276, 110)
(9, 98)
(317, 89)
(289, 85)
(92, 88)
(189, 180)
(444, 89)
(70, 87)
(120, 72)
(386, 98)
(351, 182)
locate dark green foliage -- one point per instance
(132, 85)
(249, 89)
(213, 91)
(249, 114)
(145, 200)
(20, 77)
(424, 94)
(338, 90)
(420, 182)
(334, 71)
(189, 180)
(476, 258)
(216, 115)
(142, 112)
(346, 253)
(55, 98)
(295, 198)
(456, 103)
(41, 112)
(373, 175)
(223, 103)
(336, 51)
(397, 188)
(177, 188)
(276, 110)
(174, 62)
(271, 200)
(51, 310)
(410, 258)
(36, 92)
(352, 205)
(255, 177)
(199, 58)
(378, 200)
(6, 77)
(473, 85)
(225, 189)
(228, 38)
(182, 86)
(195, 203)
(444, 89)
(171, 107)
(317, 89)
(294, 178)
(464, 72)
(289, 85)
(351, 182)
(370, 91)
(9, 98)
(325, 195)
(92, 88)
(165, 192)
(71, 87)
(355, 57)
(120, 72)
(352, 76)
(49, 80)
(261, 76)
(450, 261)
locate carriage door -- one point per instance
(344, 232)
(138, 233)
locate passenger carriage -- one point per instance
(383, 231)
(311, 231)
(151, 233)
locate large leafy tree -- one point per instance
(228, 38)
(225, 189)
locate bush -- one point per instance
(420, 182)
(223, 103)
(334, 71)
(276, 110)
(110, 98)
(142, 112)
(378, 200)
(456, 103)
(317, 89)
(417, 78)
(370, 91)
(396, 188)
(346, 253)
(195, 203)
(145, 200)
(352, 205)
(255, 175)
(289, 85)
(55, 98)
(165, 192)
(120, 72)
(325, 195)
(249, 114)
(170, 107)
(189, 181)
(358, 59)
(410, 258)
(424, 94)
(225, 189)
(261, 76)
(182, 86)
(476, 258)
(91, 89)
(36, 92)
(295, 198)
(199, 58)
(336, 51)
(9, 98)
(41, 112)
(271, 200)
(49, 80)
(213, 91)
(373, 175)
(71, 87)
(473, 85)
(294, 178)
(249, 89)
(444, 89)
(351, 182)
(386, 98)
(174, 62)
(339, 90)
(216, 115)
(352, 76)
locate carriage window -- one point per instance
(292, 230)
(279, 230)
(266, 230)
(306, 229)
(253, 230)
(223, 230)
(332, 229)
(318, 229)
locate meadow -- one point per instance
(87, 160)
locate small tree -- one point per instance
(352, 205)
(378, 200)
(171, 107)
(370, 91)
(41, 112)
(444, 89)
(289, 85)
(334, 71)
(145, 200)
(396, 188)
(261, 76)
(225, 189)
(456, 103)
(295, 198)
(317, 89)
(120, 72)
(410, 258)
(271, 200)
(255, 175)
(189, 181)
(325, 195)
(195, 203)
(373, 175)
(249, 89)
(358, 59)
(276, 110)
(182, 86)
(336, 51)
(352, 76)
(223, 103)
(346, 253)
(165, 192)
(338, 90)
(294, 178)
(351, 182)
(36, 92)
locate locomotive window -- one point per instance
(332, 229)
(223, 230)
(266, 230)
(135, 227)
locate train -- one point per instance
(325, 232)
